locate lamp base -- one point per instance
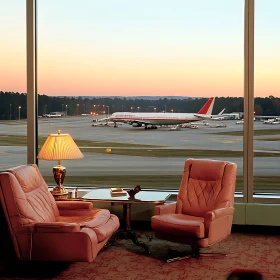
(58, 196)
(59, 172)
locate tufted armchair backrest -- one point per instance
(206, 185)
(26, 197)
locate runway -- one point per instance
(108, 164)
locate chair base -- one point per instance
(194, 253)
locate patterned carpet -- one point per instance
(127, 261)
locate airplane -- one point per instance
(219, 117)
(152, 120)
(266, 118)
(52, 115)
(269, 121)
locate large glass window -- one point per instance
(267, 97)
(13, 84)
(101, 57)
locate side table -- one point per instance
(143, 197)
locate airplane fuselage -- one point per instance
(154, 118)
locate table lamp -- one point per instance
(59, 147)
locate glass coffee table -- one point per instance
(143, 197)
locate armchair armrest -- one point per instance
(168, 208)
(218, 213)
(74, 205)
(56, 227)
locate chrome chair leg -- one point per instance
(194, 253)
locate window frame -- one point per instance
(248, 140)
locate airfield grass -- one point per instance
(269, 139)
(15, 140)
(257, 132)
(178, 152)
(160, 182)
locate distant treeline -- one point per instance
(14, 105)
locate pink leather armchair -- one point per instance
(44, 229)
(204, 209)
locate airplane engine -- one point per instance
(137, 124)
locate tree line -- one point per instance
(13, 105)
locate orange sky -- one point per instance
(121, 76)
(115, 53)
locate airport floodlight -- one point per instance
(19, 107)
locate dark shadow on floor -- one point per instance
(24, 269)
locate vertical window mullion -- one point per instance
(32, 99)
(248, 100)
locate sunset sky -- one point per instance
(147, 47)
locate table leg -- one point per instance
(127, 232)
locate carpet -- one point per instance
(127, 261)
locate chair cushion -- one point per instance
(106, 230)
(96, 219)
(179, 225)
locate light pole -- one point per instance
(155, 109)
(62, 108)
(19, 107)
(108, 110)
(10, 111)
(164, 108)
(138, 108)
(45, 109)
(122, 108)
(66, 109)
(78, 108)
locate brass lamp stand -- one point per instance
(59, 173)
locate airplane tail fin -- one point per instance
(207, 107)
(221, 112)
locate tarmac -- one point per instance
(108, 164)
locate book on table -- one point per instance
(118, 192)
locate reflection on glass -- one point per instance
(13, 109)
(267, 97)
(172, 57)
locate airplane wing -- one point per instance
(221, 112)
(202, 116)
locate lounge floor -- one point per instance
(126, 261)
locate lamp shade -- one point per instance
(60, 147)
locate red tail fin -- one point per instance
(205, 109)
